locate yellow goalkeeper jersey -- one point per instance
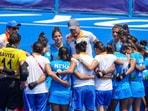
(11, 57)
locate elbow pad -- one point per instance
(24, 71)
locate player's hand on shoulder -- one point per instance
(76, 56)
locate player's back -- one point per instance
(10, 57)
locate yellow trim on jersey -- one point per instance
(83, 53)
(81, 35)
(102, 53)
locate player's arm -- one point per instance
(83, 76)
(132, 66)
(91, 66)
(71, 68)
(54, 76)
(23, 70)
(140, 68)
(104, 73)
(35, 83)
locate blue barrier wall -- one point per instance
(125, 7)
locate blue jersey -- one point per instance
(117, 45)
(48, 55)
(145, 72)
(52, 54)
(54, 51)
(121, 89)
(48, 79)
(120, 69)
(146, 47)
(136, 75)
(57, 66)
(146, 62)
(60, 94)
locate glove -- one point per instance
(32, 85)
(57, 73)
(120, 77)
(114, 76)
(8, 71)
(99, 74)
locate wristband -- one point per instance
(123, 75)
(57, 73)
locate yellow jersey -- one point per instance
(11, 57)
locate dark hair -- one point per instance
(81, 46)
(56, 29)
(37, 47)
(99, 45)
(122, 27)
(143, 42)
(43, 39)
(110, 49)
(119, 26)
(64, 54)
(126, 45)
(129, 44)
(140, 47)
(13, 39)
(123, 32)
(133, 39)
(126, 28)
(42, 34)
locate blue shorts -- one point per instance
(137, 89)
(103, 97)
(60, 97)
(84, 95)
(122, 92)
(35, 102)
